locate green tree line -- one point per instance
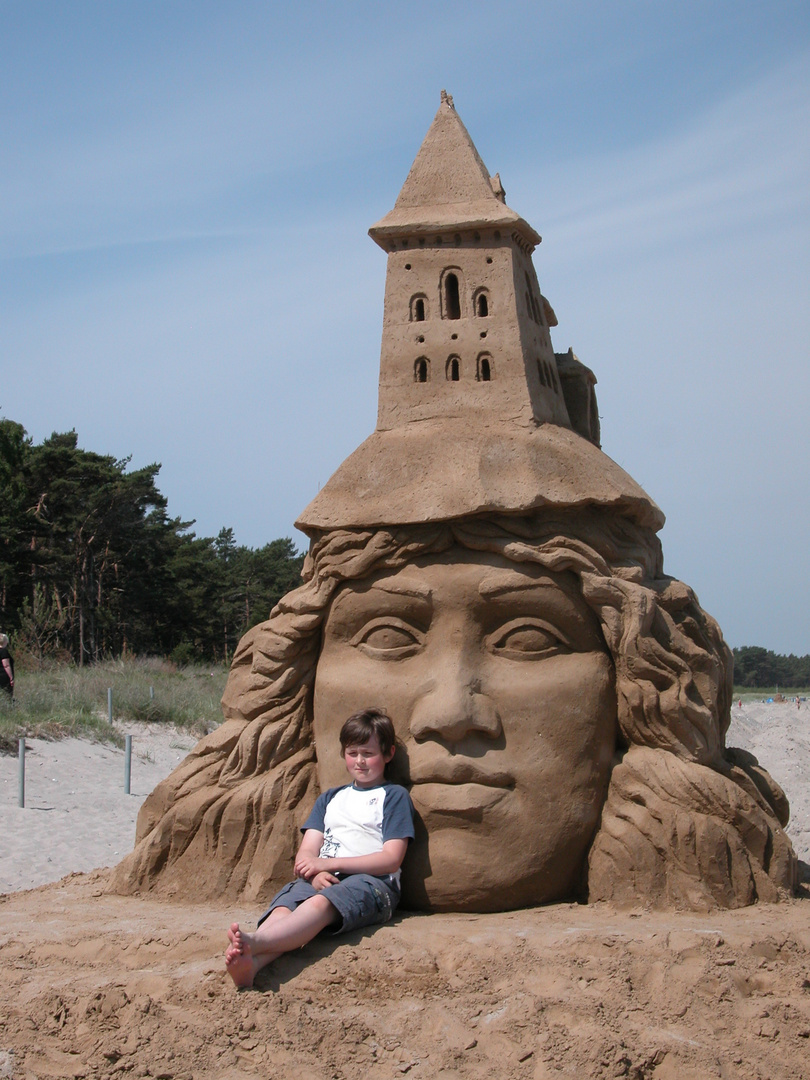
(755, 666)
(92, 565)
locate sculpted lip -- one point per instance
(455, 798)
(459, 771)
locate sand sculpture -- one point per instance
(481, 569)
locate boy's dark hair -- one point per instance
(359, 728)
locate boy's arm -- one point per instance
(310, 846)
(379, 863)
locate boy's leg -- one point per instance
(282, 931)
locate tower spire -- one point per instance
(448, 186)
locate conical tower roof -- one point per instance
(448, 186)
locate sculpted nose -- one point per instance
(451, 710)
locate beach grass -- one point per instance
(63, 699)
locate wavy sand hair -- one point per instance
(685, 820)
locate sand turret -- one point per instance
(465, 327)
(476, 412)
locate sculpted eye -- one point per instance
(388, 638)
(527, 639)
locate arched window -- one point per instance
(451, 295)
(453, 369)
(418, 308)
(484, 368)
(421, 370)
(481, 304)
(548, 375)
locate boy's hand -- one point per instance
(307, 866)
(323, 880)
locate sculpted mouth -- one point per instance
(459, 770)
(463, 799)
(457, 784)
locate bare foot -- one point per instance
(239, 961)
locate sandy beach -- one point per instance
(76, 815)
(97, 985)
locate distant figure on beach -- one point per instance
(6, 667)
(348, 864)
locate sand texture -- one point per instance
(97, 985)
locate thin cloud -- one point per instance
(744, 160)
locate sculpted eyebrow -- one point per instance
(404, 588)
(395, 588)
(496, 584)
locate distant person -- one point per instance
(6, 667)
(348, 863)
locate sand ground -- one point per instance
(96, 985)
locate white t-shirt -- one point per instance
(358, 821)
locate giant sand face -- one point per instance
(482, 570)
(501, 688)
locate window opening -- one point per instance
(452, 300)
(483, 306)
(484, 369)
(421, 370)
(452, 369)
(534, 307)
(419, 309)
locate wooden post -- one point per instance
(127, 764)
(21, 772)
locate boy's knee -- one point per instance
(323, 906)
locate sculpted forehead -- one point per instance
(475, 581)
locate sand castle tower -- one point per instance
(465, 327)
(476, 411)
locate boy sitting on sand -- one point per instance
(348, 863)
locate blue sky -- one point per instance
(185, 275)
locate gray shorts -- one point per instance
(359, 899)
